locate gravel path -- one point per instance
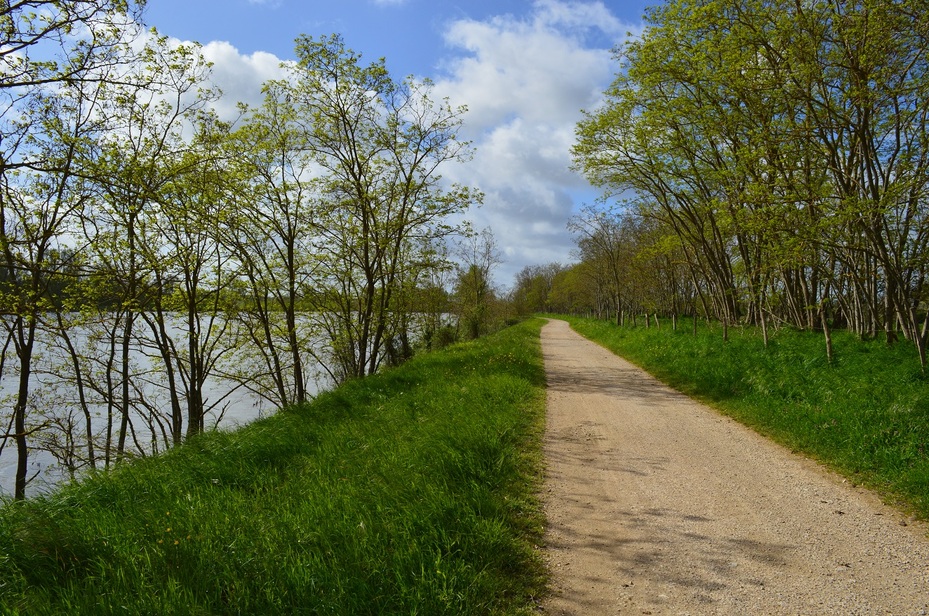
(657, 504)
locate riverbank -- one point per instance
(414, 491)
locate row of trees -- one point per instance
(625, 270)
(769, 160)
(150, 249)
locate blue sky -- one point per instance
(524, 68)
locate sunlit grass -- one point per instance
(866, 414)
(412, 492)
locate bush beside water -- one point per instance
(411, 492)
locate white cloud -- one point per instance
(239, 76)
(525, 82)
(581, 16)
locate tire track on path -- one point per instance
(657, 504)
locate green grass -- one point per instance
(866, 414)
(412, 492)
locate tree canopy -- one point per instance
(779, 150)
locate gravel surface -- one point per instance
(657, 504)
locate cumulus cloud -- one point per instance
(581, 16)
(240, 76)
(525, 81)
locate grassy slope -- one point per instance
(866, 415)
(412, 492)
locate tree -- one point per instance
(195, 264)
(135, 169)
(534, 287)
(36, 211)
(47, 44)
(433, 303)
(474, 290)
(50, 25)
(379, 144)
(155, 248)
(574, 291)
(271, 232)
(49, 112)
(605, 242)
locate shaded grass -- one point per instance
(411, 492)
(866, 414)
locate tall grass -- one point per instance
(411, 492)
(866, 414)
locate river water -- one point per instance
(241, 408)
(53, 400)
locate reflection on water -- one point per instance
(241, 408)
(54, 404)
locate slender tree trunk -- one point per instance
(111, 399)
(125, 396)
(80, 385)
(26, 343)
(889, 313)
(764, 325)
(132, 297)
(292, 337)
(827, 333)
(195, 410)
(158, 326)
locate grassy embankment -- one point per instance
(866, 414)
(411, 492)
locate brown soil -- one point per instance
(657, 504)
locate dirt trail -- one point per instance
(659, 505)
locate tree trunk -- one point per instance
(26, 344)
(124, 374)
(79, 384)
(764, 326)
(889, 313)
(830, 354)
